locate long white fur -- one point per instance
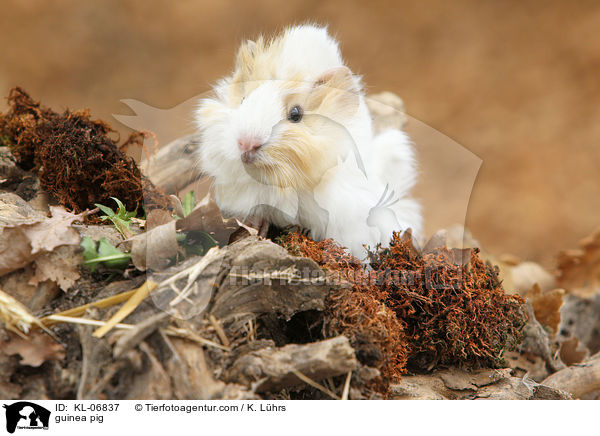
(355, 215)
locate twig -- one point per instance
(86, 321)
(219, 329)
(138, 296)
(346, 390)
(314, 384)
(186, 334)
(80, 310)
(171, 331)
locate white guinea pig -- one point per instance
(288, 140)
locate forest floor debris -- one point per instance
(223, 313)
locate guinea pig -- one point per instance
(288, 139)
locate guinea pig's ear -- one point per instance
(339, 78)
(335, 93)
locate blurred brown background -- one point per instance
(515, 82)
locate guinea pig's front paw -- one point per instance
(296, 228)
(260, 224)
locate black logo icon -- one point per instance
(24, 414)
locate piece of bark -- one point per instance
(578, 380)
(265, 278)
(175, 165)
(193, 380)
(459, 384)
(277, 367)
(154, 382)
(513, 388)
(242, 281)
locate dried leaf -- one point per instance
(59, 266)
(15, 251)
(579, 269)
(53, 232)
(572, 351)
(546, 306)
(24, 234)
(157, 217)
(35, 349)
(207, 217)
(152, 249)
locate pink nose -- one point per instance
(248, 143)
(249, 147)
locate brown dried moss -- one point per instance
(453, 306)
(356, 309)
(74, 156)
(449, 305)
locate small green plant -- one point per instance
(189, 201)
(103, 252)
(121, 218)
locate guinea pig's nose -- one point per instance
(248, 143)
(248, 146)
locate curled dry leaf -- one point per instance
(207, 217)
(158, 217)
(34, 349)
(579, 269)
(152, 249)
(572, 351)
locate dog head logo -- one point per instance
(24, 414)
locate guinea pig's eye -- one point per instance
(295, 115)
